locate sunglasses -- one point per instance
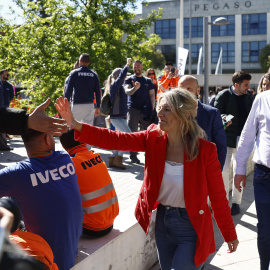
(151, 73)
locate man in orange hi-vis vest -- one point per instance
(169, 80)
(99, 199)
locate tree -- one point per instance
(43, 49)
(264, 58)
(149, 55)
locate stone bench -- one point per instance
(125, 247)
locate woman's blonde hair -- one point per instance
(265, 76)
(109, 81)
(184, 105)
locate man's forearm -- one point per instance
(130, 91)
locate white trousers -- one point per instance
(84, 112)
(230, 162)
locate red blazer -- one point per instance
(202, 178)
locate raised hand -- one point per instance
(128, 61)
(63, 107)
(40, 121)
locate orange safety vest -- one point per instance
(35, 246)
(165, 84)
(99, 199)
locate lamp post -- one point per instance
(218, 21)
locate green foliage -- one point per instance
(149, 56)
(42, 50)
(264, 58)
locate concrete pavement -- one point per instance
(127, 184)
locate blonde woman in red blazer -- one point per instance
(184, 235)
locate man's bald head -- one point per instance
(190, 83)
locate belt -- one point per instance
(262, 168)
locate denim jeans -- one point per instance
(121, 125)
(175, 239)
(261, 184)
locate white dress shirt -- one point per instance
(256, 129)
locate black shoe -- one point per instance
(235, 210)
(134, 159)
(6, 148)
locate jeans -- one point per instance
(121, 125)
(175, 239)
(261, 183)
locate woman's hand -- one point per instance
(63, 107)
(233, 245)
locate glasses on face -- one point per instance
(152, 73)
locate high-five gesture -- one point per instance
(63, 107)
(40, 121)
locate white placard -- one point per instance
(181, 61)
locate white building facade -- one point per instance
(241, 40)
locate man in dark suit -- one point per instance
(208, 118)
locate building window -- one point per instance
(169, 51)
(228, 52)
(254, 24)
(166, 28)
(251, 51)
(223, 30)
(195, 49)
(196, 27)
(186, 28)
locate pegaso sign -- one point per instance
(223, 6)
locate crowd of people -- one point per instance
(189, 148)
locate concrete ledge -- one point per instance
(125, 247)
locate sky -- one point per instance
(4, 10)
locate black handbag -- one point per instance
(106, 104)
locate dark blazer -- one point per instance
(209, 119)
(202, 178)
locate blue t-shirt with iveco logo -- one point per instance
(141, 96)
(47, 192)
